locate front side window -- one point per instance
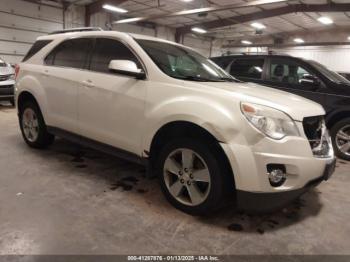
(108, 49)
(183, 63)
(71, 53)
(247, 68)
(288, 72)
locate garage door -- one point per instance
(21, 23)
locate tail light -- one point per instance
(16, 71)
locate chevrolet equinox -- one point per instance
(207, 136)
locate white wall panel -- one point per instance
(334, 57)
(21, 23)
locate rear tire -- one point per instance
(198, 188)
(33, 126)
(340, 134)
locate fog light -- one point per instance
(276, 174)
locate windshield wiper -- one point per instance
(229, 79)
(194, 78)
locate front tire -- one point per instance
(192, 177)
(340, 134)
(33, 126)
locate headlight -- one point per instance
(12, 77)
(270, 121)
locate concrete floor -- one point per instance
(59, 201)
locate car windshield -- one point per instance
(184, 63)
(333, 76)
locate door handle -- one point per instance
(46, 73)
(88, 84)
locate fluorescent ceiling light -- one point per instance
(246, 42)
(299, 40)
(128, 20)
(114, 8)
(186, 1)
(325, 20)
(258, 25)
(198, 30)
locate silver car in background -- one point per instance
(7, 82)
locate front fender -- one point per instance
(208, 114)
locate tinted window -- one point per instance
(288, 72)
(222, 61)
(107, 50)
(71, 53)
(249, 68)
(38, 45)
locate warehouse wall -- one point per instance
(334, 57)
(21, 23)
(203, 46)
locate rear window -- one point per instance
(38, 45)
(247, 68)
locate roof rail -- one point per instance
(79, 29)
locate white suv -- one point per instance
(205, 134)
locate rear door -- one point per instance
(294, 77)
(248, 69)
(61, 78)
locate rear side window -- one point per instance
(71, 53)
(248, 68)
(108, 49)
(38, 45)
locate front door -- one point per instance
(293, 77)
(111, 106)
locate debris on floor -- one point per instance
(264, 223)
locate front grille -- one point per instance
(317, 134)
(5, 77)
(7, 86)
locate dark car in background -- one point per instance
(306, 78)
(7, 82)
(345, 74)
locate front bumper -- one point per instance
(267, 202)
(7, 90)
(249, 162)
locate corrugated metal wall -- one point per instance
(21, 23)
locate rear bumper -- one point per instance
(267, 202)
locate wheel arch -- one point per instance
(177, 129)
(335, 117)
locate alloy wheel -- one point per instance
(343, 140)
(187, 177)
(30, 125)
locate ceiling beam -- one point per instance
(295, 8)
(210, 9)
(96, 7)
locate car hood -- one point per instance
(295, 106)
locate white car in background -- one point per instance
(206, 135)
(7, 82)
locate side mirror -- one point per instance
(126, 67)
(310, 82)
